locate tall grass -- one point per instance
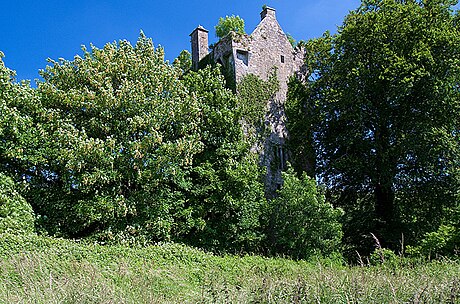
(44, 270)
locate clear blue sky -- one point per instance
(32, 31)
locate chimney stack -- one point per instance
(267, 12)
(199, 41)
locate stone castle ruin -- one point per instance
(267, 47)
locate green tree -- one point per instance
(229, 24)
(124, 131)
(301, 131)
(18, 132)
(385, 100)
(183, 61)
(19, 136)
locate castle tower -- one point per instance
(259, 53)
(199, 41)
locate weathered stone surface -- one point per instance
(199, 41)
(258, 53)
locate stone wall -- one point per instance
(269, 47)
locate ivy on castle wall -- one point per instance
(253, 94)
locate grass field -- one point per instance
(45, 270)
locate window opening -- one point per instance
(280, 157)
(243, 56)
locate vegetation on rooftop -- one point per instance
(229, 24)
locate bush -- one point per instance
(16, 215)
(384, 256)
(442, 242)
(303, 224)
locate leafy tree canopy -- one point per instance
(17, 131)
(123, 130)
(381, 109)
(183, 61)
(229, 24)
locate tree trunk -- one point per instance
(384, 210)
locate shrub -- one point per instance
(303, 224)
(16, 215)
(383, 256)
(442, 242)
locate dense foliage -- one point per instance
(124, 131)
(118, 145)
(18, 104)
(303, 224)
(143, 153)
(183, 61)
(17, 133)
(16, 215)
(380, 113)
(227, 189)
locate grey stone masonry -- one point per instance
(266, 48)
(199, 41)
